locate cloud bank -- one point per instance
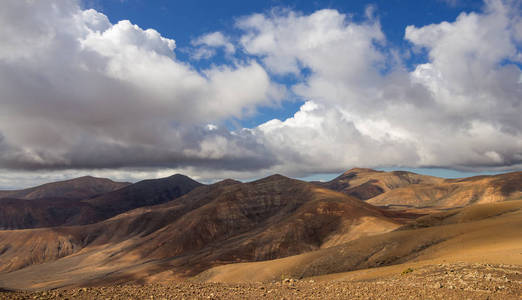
(460, 109)
(81, 93)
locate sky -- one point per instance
(135, 89)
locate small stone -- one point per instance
(438, 285)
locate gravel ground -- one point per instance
(443, 281)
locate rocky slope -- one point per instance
(143, 193)
(29, 211)
(261, 231)
(406, 189)
(440, 281)
(46, 212)
(74, 189)
(212, 225)
(475, 234)
(365, 184)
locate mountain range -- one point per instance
(406, 189)
(92, 231)
(85, 200)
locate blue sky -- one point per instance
(134, 89)
(184, 21)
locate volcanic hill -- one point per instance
(175, 228)
(73, 189)
(85, 200)
(406, 189)
(226, 222)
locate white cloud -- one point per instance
(207, 44)
(325, 41)
(80, 92)
(460, 109)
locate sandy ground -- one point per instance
(441, 281)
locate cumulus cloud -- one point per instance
(325, 41)
(318, 137)
(81, 93)
(460, 109)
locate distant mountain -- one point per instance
(364, 183)
(265, 219)
(216, 224)
(176, 228)
(143, 193)
(36, 211)
(455, 192)
(406, 189)
(481, 233)
(73, 189)
(45, 212)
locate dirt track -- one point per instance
(455, 281)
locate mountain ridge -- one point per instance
(146, 233)
(408, 189)
(58, 211)
(212, 224)
(75, 189)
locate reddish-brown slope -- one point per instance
(265, 219)
(367, 183)
(73, 189)
(22, 214)
(46, 212)
(406, 189)
(485, 233)
(144, 193)
(212, 225)
(455, 192)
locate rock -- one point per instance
(437, 285)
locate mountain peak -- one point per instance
(361, 170)
(89, 178)
(274, 178)
(178, 175)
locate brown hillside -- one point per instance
(405, 189)
(212, 225)
(55, 211)
(22, 214)
(482, 233)
(143, 193)
(367, 183)
(455, 192)
(73, 189)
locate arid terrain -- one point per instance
(277, 149)
(405, 189)
(366, 234)
(441, 281)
